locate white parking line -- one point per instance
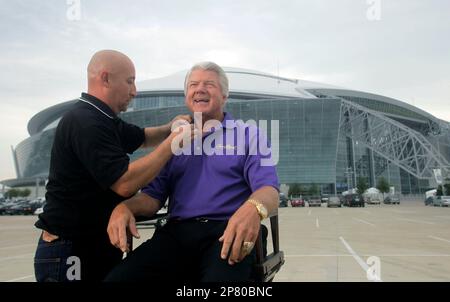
(413, 220)
(309, 213)
(363, 221)
(402, 212)
(356, 257)
(16, 246)
(20, 278)
(317, 222)
(438, 238)
(17, 257)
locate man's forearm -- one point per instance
(143, 205)
(143, 170)
(155, 135)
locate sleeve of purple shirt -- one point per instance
(259, 167)
(159, 188)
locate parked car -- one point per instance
(372, 200)
(283, 200)
(297, 202)
(5, 206)
(334, 201)
(429, 200)
(441, 201)
(392, 199)
(314, 201)
(23, 207)
(324, 198)
(437, 201)
(353, 200)
(445, 201)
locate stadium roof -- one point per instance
(242, 81)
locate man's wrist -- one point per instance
(260, 208)
(167, 128)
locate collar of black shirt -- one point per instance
(100, 104)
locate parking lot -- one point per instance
(406, 242)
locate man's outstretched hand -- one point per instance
(121, 221)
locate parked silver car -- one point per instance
(392, 199)
(334, 201)
(445, 201)
(441, 201)
(314, 201)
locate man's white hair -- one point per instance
(210, 66)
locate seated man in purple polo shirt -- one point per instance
(219, 190)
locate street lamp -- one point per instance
(349, 173)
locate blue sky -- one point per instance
(44, 52)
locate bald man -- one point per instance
(90, 173)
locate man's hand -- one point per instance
(242, 227)
(121, 220)
(182, 135)
(183, 117)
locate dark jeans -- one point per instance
(187, 251)
(50, 260)
(64, 260)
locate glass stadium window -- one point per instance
(383, 107)
(148, 102)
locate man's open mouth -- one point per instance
(201, 101)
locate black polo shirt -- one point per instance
(89, 155)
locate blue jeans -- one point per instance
(50, 260)
(87, 258)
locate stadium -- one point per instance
(328, 136)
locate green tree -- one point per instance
(292, 190)
(313, 190)
(302, 190)
(447, 186)
(362, 185)
(383, 185)
(12, 193)
(24, 193)
(447, 189)
(439, 191)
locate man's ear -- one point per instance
(105, 78)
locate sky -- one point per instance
(396, 48)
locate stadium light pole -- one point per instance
(349, 174)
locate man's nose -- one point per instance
(201, 87)
(133, 90)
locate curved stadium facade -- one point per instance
(329, 136)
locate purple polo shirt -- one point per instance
(219, 179)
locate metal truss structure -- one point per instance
(391, 140)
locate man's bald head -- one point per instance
(107, 60)
(109, 72)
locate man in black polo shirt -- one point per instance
(90, 173)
